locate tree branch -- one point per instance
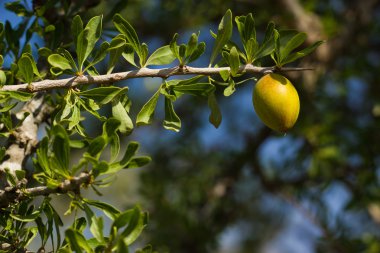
(24, 139)
(15, 194)
(143, 72)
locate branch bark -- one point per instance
(24, 138)
(143, 72)
(16, 194)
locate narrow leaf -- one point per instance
(115, 50)
(234, 61)
(77, 241)
(292, 44)
(196, 89)
(302, 53)
(125, 28)
(172, 121)
(76, 27)
(146, 114)
(191, 45)
(223, 35)
(197, 52)
(215, 115)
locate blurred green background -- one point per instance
(243, 188)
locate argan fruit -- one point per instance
(276, 102)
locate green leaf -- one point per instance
(201, 47)
(125, 28)
(146, 114)
(76, 27)
(268, 44)
(87, 39)
(230, 88)
(42, 156)
(103, 95)
(174, 47)
(20, 174)
(7, 108)
(120, 112)
(68, 57)
(59, 61)
(129, 55)
(138, 162)
(114, 146)
(191, 45)
(126, 161)
(144, 54)
(61, 147)
(224, 74)
(110, 127)
(161, 56)
(246, 28)
(136, 224)
(31, 233)
(18, 95)
(44, 52)
(276, 55)
(101, 53)
(96, 224)
(122, 247)
(116, 49)
(3, 78)
(97, 145)
(234, 61)
(74, 119)
(302, 53)
(223, 35)
(196, 89)
(108, 209)
(215, 115)
(172, 121)
(292, 44)
(182, 51)
(26, 218)
(25, 68)
(1, 60)
(77, 241)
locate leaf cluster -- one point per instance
(100, 158)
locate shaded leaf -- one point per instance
(215, 117)
(172, 121)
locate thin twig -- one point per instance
(143, 72)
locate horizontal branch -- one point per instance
(143, 72)
(15, 194)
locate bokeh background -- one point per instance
(242, 187)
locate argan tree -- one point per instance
(50, 95)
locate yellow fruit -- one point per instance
(276, 102)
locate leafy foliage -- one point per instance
(55, 170)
